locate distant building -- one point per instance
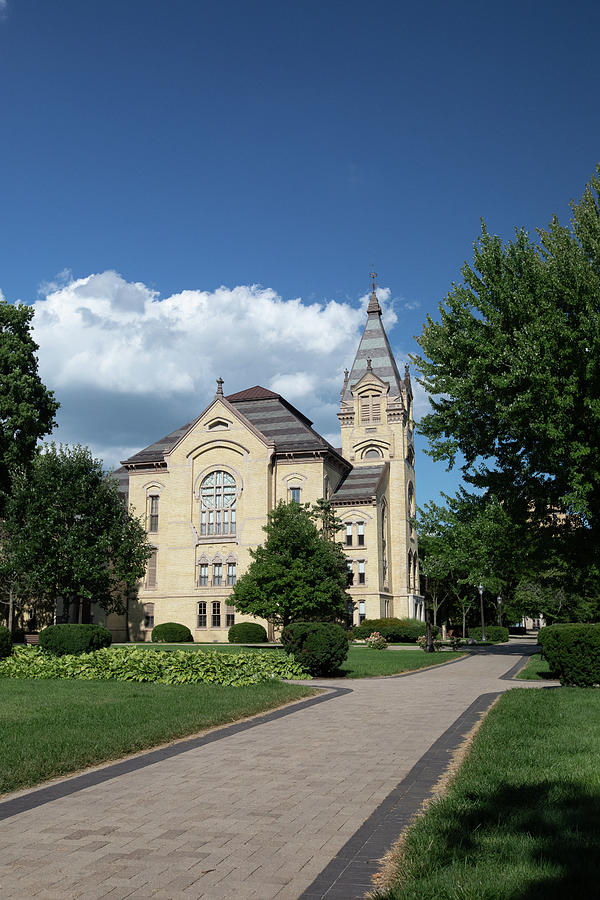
(205, 491)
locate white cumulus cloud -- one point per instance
(129, 366)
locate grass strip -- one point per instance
(362, 662)
(537, 669)
(521, 821)
(55, 727)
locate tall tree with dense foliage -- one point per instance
(27, 407)
(68, 536)
(296, 575)
(512, 368)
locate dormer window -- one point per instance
(370, 408)
(217, 425)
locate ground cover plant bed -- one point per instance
(362, 662)
(537, 669)
(522, 817)
(171, 667)
(51, 728)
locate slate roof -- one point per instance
(121, 476)
(374, 345)
(279, 421)
(270, 413)
(155, 452)
(360, 484)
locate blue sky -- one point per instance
(192, 146)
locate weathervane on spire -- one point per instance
(373, 306)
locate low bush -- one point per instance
(247, 633)
(572, 652)
(376, 641)
(497, 634)
(171, 633)
(396, 631)
(159, 666)
(71, 638)
(5, 642)
(319, 647)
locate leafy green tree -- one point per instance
(512, 368)
(68, 536)
(27, 407)
(296, 575)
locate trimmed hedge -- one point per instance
(573, 652)
(319, 647)
(247, 633)
(71, 639)
(5, 642)
(497, 634)
(171, 633)
(395, 631)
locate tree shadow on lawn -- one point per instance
(542, 839)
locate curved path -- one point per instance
(296, 803)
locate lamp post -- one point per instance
(480, 589)
(499, 610)
(429, 648)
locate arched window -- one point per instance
(218, 496)
(371, 453)
(410, 570)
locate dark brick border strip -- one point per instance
(71, 785)
(349, 874)
(514, 670)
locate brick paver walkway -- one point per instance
(256, 814)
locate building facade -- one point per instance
(205, 491)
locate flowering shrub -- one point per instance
(160, 666)
(422, 642)
(376, 641)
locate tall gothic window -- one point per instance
(217, 498)
(370, 408)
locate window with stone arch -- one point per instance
(411, 507)
(218, 496)
(372, 453)
(370, 408)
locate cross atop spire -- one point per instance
(373, 307)
(219, 387)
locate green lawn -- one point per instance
(362, 662)
(521, 821)
(54, 727)
(537, 669)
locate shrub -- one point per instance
(396, 631)
(5, 642)
(247, 633)
(497, 634)
(171, 633)
(376, 641)
(573, 652)
(68, 639)
(158, 666)
(422, 642)
(319, 647)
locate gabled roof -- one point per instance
(277, 421)
(360, 484)
(374, 345)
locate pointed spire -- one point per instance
(220, 383)
(373, 308)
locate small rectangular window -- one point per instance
(229, 616)
(361, 611)
(348, 535)
(360, 528)
(149, 615)
(153, 518)
(151, 570)
(295, 494)
(202, 614)
(350, 573)
(231, 574)
(217, 574)
(203, 574)
(361, 572)
(216, 614)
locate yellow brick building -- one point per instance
(205, 491)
